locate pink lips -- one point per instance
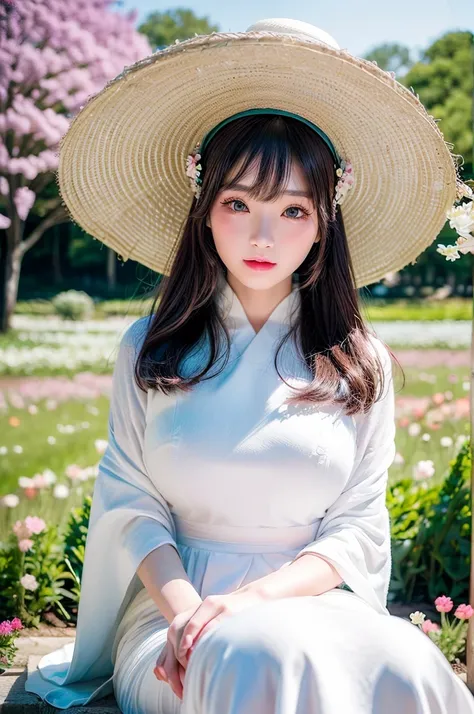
(259, 264)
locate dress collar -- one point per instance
(235, 315)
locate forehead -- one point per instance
(296, 179)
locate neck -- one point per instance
(259, 304)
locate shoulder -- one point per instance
(135, 334)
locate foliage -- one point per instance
(443, 79)
(391, 57)
(74, 305)
(164, 28)
(431, 531)
(43, 563)
(74, 547)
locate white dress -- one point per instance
(241, 484)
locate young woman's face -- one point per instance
(280, 231)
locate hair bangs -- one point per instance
(271, 155)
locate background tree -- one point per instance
(53, 56)
(391, 57)
(164, 28)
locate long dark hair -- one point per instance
(330, 332)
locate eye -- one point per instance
(297, 208)
(238, 204)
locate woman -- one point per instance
(238, 552)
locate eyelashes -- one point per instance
(305, 212)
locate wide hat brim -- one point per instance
(122, 162)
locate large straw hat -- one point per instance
(122, 163)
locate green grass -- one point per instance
(32, 434)
(376, 309)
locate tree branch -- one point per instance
(57, 216)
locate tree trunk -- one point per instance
(10, 279)
(111, 269)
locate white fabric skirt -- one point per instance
(325, 654)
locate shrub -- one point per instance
(431, 534)
(74, 305)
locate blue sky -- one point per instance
(357, 25)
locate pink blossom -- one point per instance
(5, 222)
(21, 530)
(16, 623)
(34, 524)
(24, 199)
(444, 603)
(25, 545)
(429, 626)
(464, 612)
(5, 627)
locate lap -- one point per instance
(334, 630)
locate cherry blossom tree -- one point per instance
(54, 54)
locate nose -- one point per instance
(262, 238)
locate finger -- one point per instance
(173, 676)
(194, 626)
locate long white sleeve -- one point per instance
(129, 518)
(354, 535)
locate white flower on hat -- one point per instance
(461, 218)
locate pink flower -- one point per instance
(443, 603)
(21, 530)
(5, 627)
(25, 544)
(429, 626)
(464, 612)
(16, 623)
(34, 524)
(438, 398)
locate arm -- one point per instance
(163, 575)
(353, 541)
(127, 507)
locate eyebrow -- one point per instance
(241, 187)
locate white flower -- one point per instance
(33, 409)
(426, 437)
(11, 500)
(3, 450)
(450, 252)
(417, 617)
(461, 439)
(50, 477)
(25, 482)
(60, 491)
(100, 445)
(466, 386)
(423, 470)
(18, 449)
(51, 440)
(465, 245)
(399, 458)
(29, 582)
(461, 218)
(414, 429)
(446, 441)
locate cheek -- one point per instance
(299, 236)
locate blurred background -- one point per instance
(65, 298)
